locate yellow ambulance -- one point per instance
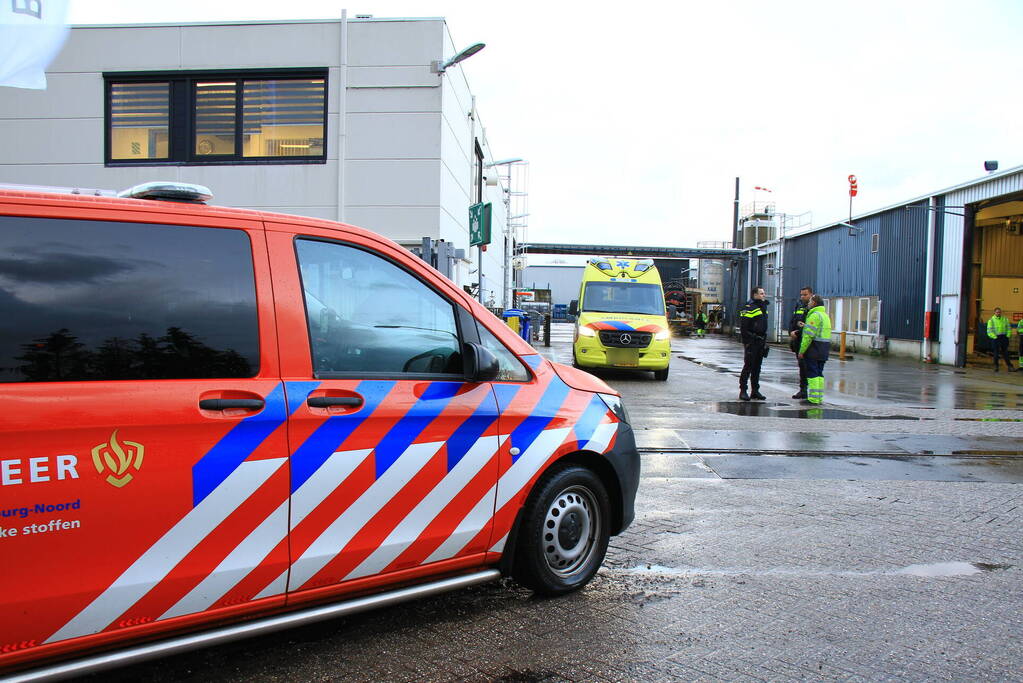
(620, 321)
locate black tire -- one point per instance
(564, 531)
(661, 375)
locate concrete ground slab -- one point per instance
(717, 579)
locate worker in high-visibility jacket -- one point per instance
(701, 323)
(814, 348)
(998, 330)
(1019, 333)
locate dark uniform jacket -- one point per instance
(753, 322)
(798, 316)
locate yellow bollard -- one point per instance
(841, 346)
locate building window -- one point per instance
(875, 242)
(208, 117)
(863, 315)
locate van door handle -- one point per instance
(328, 401)
(225, 403)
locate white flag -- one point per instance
(32, 32)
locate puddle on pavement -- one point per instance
(709, 366)
(761, 409)
(931, 570)
(937, 569)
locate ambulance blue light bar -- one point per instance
(169, 191)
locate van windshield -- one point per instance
(623, 297)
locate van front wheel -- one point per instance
(661, 375)
(564, 532)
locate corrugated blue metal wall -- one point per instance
(736, 288)
(837, 263)
(903, 269)
(800, 269)
(845, 264)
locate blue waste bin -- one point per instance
(519, 321)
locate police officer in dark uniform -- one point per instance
(753, 331)
(795, 334)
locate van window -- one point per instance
(95, 300)
(510, 368)
(367, 315)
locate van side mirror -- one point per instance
(480, 364)
(573, 307)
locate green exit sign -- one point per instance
(479, 223)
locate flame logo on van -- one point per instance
(117, 457)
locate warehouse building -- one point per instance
(359, 120)
(918, 279)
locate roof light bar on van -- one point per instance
(600, 263)
(169, 191)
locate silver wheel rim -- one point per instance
(570, 530)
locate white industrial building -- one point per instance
(355, 120)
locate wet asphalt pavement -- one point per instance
(882, 417)
(768, 545)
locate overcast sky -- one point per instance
(637, 117)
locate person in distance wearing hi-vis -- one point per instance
(998, 330)
(815, 347)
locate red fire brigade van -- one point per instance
(217, 423)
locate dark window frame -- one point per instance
(181, 114)
(465, 324)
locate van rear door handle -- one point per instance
(225, 403)
(328, 401)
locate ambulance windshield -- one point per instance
(623, 297)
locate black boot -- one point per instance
(800, 394)
(743, 396)
(757, 396)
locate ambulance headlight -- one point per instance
(587, 331)
(662, 335)
(615, 405)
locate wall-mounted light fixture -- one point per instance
(853, 229)
(439, 66)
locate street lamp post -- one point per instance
(440, 67)
(508, 240)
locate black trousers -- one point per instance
(794, 345)
(1000, 345)
(752, 358)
